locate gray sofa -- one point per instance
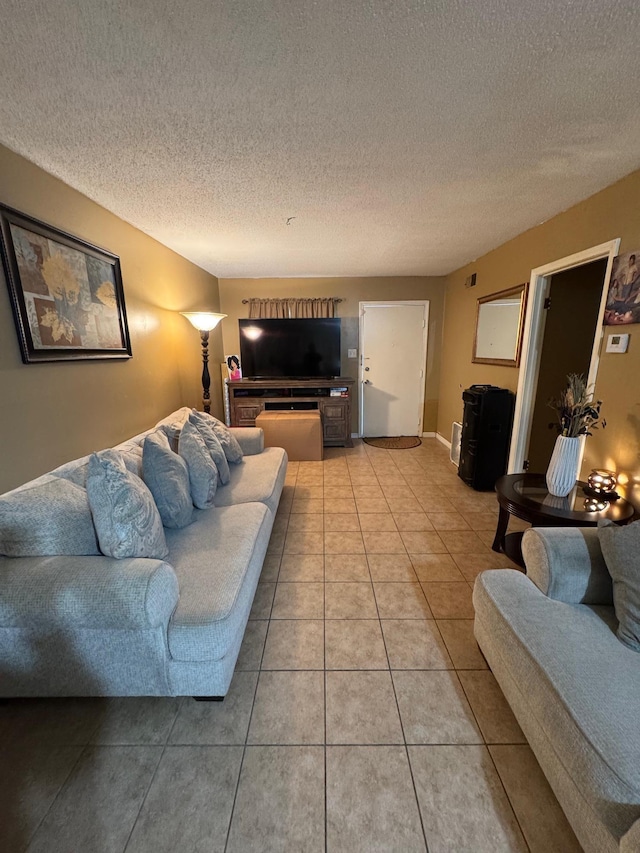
(99, 626)
(550, 641)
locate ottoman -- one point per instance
(300, 433)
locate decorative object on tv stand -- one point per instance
(204, 322)
(233, 366)
(577, 416)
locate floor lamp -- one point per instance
(204, 322)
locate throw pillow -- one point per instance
(232, 449)
(167, 477)
(202, 424)
(203, 475)
(126, 519)
(48, 517)
(621, 550)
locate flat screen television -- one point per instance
(297, 349)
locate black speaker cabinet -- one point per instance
(486, 434)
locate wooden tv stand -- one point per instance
(249, 397)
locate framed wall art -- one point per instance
(66, 295)
(623, 298)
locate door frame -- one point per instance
(532, 339)
(391, 303)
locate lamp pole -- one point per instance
(206, 379)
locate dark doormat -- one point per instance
(395, 442)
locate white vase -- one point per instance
(562, 472)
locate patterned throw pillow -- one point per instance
(167, 477)
(232, 449)
(125, 516)
(203, 474)
(202, 422)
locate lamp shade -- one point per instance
(203, 321)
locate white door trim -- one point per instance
(532, 342)
(391, 303)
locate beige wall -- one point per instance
(614, 212)
(56, 412)
(352, 291)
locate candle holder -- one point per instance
(601, 485)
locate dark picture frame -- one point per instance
(66, 294)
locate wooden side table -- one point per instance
(526, 496)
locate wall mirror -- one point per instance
(499, 322)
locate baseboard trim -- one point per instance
(443, 440)
(428, 435)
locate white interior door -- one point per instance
(393, 351)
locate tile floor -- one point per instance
(361, 717)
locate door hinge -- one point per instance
(547, 303)
(525, 465)
(424, 323)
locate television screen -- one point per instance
(299, 349)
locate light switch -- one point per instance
(352, 353)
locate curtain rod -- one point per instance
(297, 298)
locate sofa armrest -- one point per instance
(86, 592)
(566, 563)
(250, 439)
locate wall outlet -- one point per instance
(352, 353)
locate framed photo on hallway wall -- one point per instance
(623, 299)
(66, 294)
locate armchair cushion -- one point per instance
(621, 549)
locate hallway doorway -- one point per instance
(532, 348)
(570, 328)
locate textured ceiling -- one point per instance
(405, 137)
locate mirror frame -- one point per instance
(523, 290)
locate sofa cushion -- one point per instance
(217, 560)
(257, 478)
(232, 449)
(45, 517)
(167, 477)
(125, 516)
(202, 423)
(621, 549)
(74, 471)
(203, 475)
(582, 686)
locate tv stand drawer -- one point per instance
(292, 406)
